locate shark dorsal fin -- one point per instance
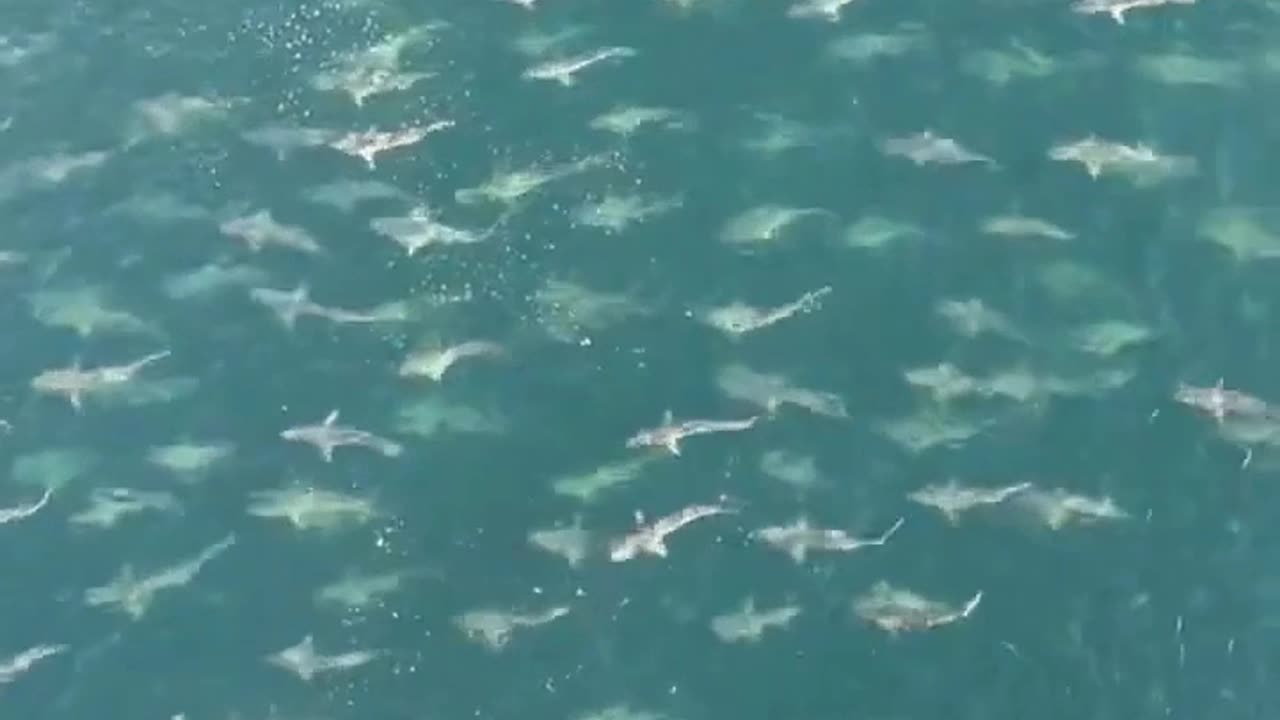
(331, 418)
(667, 417)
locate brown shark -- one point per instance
(800, 537)
(669, 434)
(75, 382)
(1117, 8)
(651, 539)
(1219, 402)
(328, 434)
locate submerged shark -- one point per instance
(669, 434)
(651, 539)
(328, 434)
(75, 382)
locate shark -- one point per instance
(1219, 402)
(669, 434)
(75, 382)
(1117, 8)
(328, 434)
(562, 71)
(651, 539)
(303, 660)
(800, 537)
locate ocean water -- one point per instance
(712, 210)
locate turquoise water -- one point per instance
(139, 144)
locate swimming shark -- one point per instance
(328, 434)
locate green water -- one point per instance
(127, 143)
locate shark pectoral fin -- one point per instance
(673, 446)
(326, 452)
(658, 548)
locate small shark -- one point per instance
(510, 187)
(22, 512)
(435, 362)
(18, 664)
(75, 382)
(651, 539)
(748, 624)
(327, 435)
(571, 542)
(422, 228)
(828, 10)
(108, 505)
(669, 434)
(368, 144)
(771, 391)
(133, 595)
(1117, 8)
(311, 508)
(493, 628)
(737, 319)
(926, 147)
(285, 140)
(261, 229)
(953, 498)
(1099, 155)
(971, 317)
(562, 71)
(289, 305)
(1220, 402)
(1056, 507)
(303, 660)
(895, 610)
(800, 537)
